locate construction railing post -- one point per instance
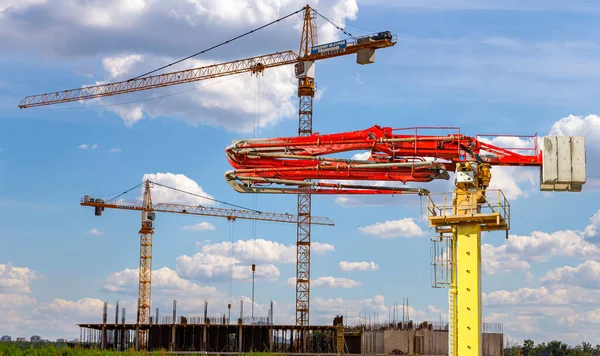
(205, 327)
(116, 330)
(103, 333)
(172, 345)
(123, 332)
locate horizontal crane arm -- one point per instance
(254, 64)
(231, 214)
(352, 47)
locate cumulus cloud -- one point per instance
(179, 181)
(206, 267)
(262, 250)
(114, 150)
(542, 296)
(165, 281)
(586, 275)
(327, 282)
(586, 318)
(95, 232)
(146, 22)
(213, 261)
(15, 279)
(81, 307)
(15, 294)
(358, 266)
(519, 251)
(406, 227)
(202, 226)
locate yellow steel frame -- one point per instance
(468, 325)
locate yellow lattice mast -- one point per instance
(305, 72)
(145, 270)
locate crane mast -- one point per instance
(305, 72)
(145, 270)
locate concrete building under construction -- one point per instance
(219, 334)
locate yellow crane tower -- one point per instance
(146, 232)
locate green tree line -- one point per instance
(557, 348)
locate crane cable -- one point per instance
(257, 100)
(185, 192)
(218, 45)
(125, 192)
(230, 279)
(204, 197)
(334, 25)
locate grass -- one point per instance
(41, 349)
(50, 349)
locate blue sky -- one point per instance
(484, 66)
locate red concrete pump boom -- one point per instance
(406, 157)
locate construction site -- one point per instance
(220, 334)
(304, 164)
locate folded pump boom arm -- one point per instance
(405, 158)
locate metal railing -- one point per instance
(493, 212)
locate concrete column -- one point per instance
(240, 337)
(173, 335)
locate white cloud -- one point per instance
(358, 266)
(542, 296)
(207, 267)
(213, 261)
(179, 181)
(95, 232)
(515, 323)
(573, 125)
(586, 275)
(114, 150)
(15, 294)
(515, 182)
(202, 226)
(118, 66)
(395, 228)
(583, 319)
(15, 280)
(496, 260)
(362, 156)
(519, 251)
(591, 230)
(261, 250)
(85, 146)
(165, 282)
(81, 307)
(327, 282)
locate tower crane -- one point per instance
(310, 51)
(148, 210)
(459, 217)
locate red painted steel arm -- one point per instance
(394, 157)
